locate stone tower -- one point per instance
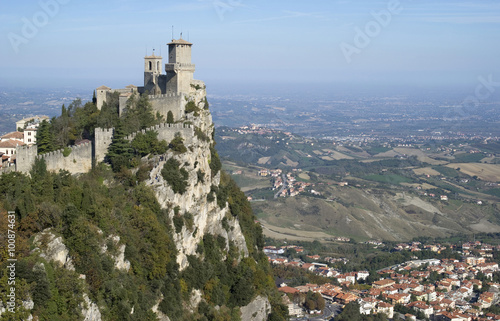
(179, 68)
(152, 72)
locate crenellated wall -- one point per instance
(102, 140)
(77, 162)
(176, 103)
(167, 132)
(25, 157)
(82, 156)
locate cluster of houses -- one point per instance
(446, 289)
(287, 184)
(24, 135)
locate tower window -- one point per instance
(158, 66)
(150, 65)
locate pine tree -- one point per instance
(120, 151)
(170, 117)
(64, 112)
(44, 138)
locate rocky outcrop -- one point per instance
(53, 249)
(207, 215)
(119, 256)
(257, 310)
(90, 310)
(160, 315)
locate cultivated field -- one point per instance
(487, 172)
(421, 156)
(426, 171)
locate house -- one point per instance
(448, 316)
(308, 266)
(401, 298)
(8, 146)
(383, 283)
(421, 306)
(386, 309)
(345, 298)
(288, 290)
(29, 135)
(362, 275)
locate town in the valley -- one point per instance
(462, 289)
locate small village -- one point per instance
(434, 289)
(25, 134)
(287, 184)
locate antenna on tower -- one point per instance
(172, 32)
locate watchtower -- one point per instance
(179, 68)
(152, 71)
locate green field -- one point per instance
(446, 171)
(388, 178)
(468, 158)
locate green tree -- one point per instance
(44, 138)
(170, 117)
(120, 151)
(148, 143)
(108, 116)
(138, 114)
(175, 176)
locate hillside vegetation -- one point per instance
(113, 211)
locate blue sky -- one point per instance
(243, 43)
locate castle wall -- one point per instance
(102, 141)
(169, 102)
(167, 132)
(101, 97)
(25, 157)
(77, 162)
(81, 156)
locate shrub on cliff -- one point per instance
(175, 176)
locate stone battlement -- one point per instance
(78, 161)
(165, 96)
(74, 148)
(104, 130)
(167, 131)
(82, 156)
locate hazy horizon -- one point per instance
(255, 46)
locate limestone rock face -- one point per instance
(257, 310)
(207, 215)
(53, 249)
(119, 257)
(91, 311)
(160, 315)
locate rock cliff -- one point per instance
(133, 245)
(206, 213)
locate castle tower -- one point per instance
(179, 68)
(152, 71)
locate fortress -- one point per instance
(168, 92)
